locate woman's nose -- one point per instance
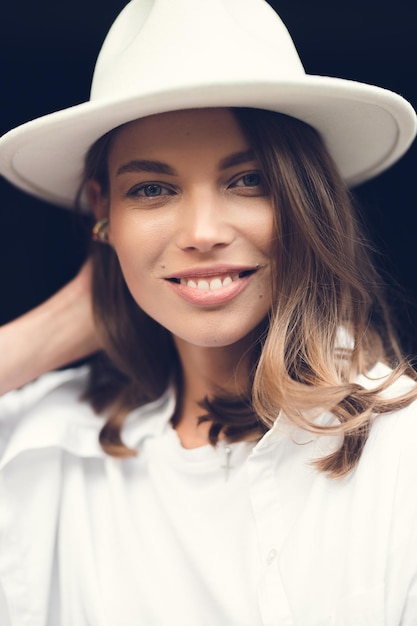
(204, 224)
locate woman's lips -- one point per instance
(211, 289)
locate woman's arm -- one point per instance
(59, 331)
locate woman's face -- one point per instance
(191, 224)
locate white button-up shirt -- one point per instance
(330, 552)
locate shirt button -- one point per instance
(272, 554)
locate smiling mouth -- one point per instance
(211, 283)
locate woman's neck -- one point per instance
(205, 372)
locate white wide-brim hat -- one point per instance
(166, 55)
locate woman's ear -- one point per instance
(100, 206)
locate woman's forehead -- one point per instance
(211, 131)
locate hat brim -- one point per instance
(365, 128)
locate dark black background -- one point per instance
(47, 53)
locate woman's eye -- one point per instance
(251, 180)
(151, 190)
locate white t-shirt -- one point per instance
(171, 548)
(164, 538)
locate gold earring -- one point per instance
(99, 232)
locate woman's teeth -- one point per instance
(208, 285)
(205, 284)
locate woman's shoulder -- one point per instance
(53, 385)
(393, 434)
(49, 412)
(391, 441)
(400, 391)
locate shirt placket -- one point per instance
(273, 602)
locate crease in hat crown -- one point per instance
(174, 43)
(164, 55)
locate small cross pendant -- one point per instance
(227, 467)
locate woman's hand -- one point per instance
(58, 332)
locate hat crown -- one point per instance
(165, 44)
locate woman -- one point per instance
(237, 307)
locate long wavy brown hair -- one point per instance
(328, 323)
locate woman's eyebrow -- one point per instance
(158, 167)
(237, 158)
(140, 165)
